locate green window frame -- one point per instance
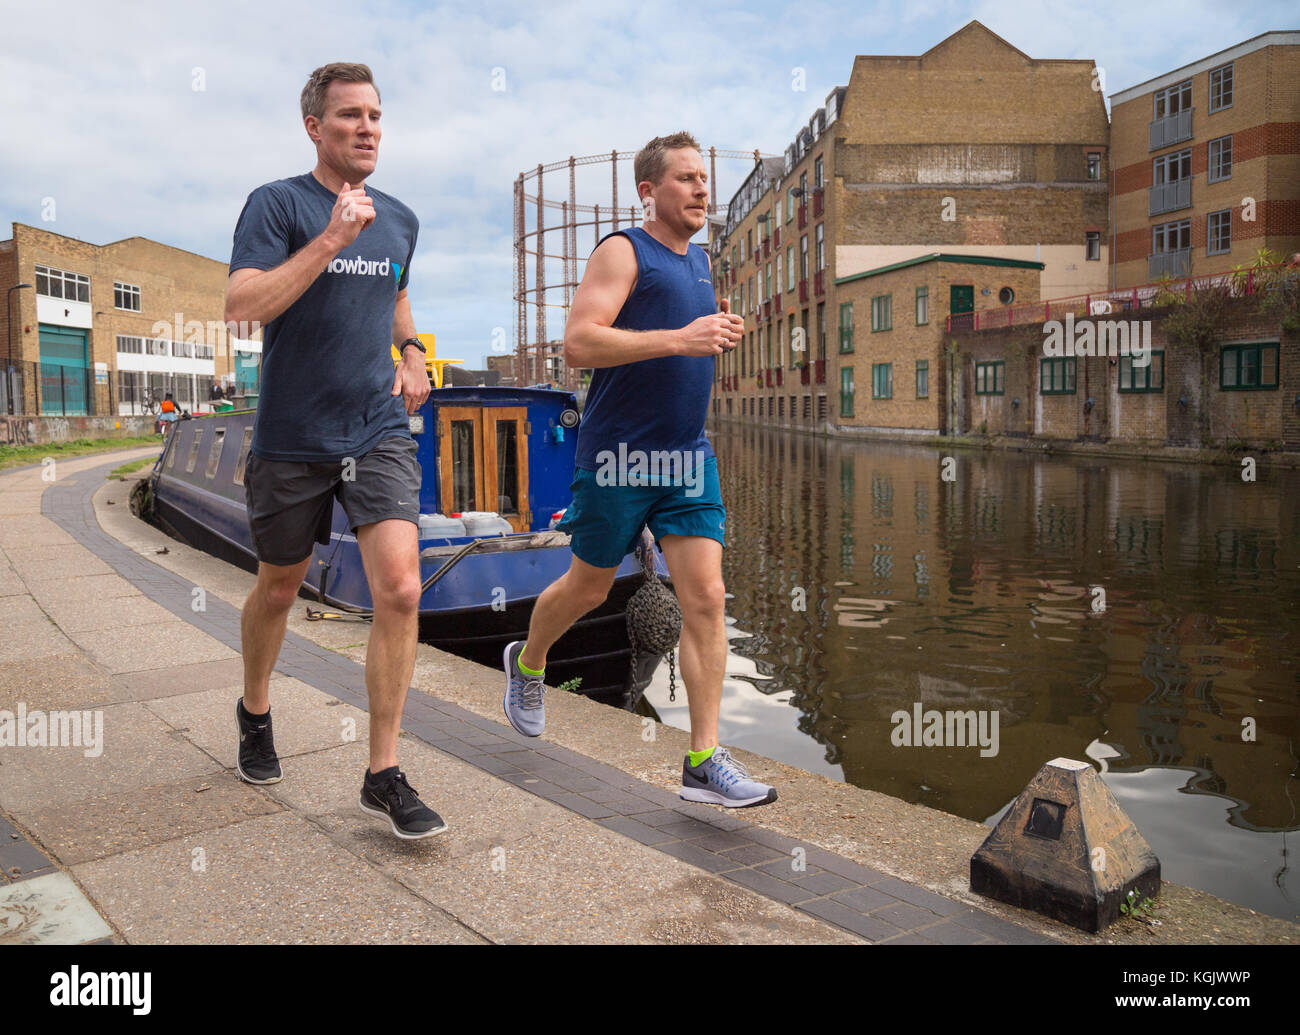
(1249, 368)
(990, 377)
(882, 313)
(923, 379)
(882, 380)
(846, 327)
(1150, 378)
(922, 306)
(789, 268)
(789, 204)
(1056, 375)
(846, 391)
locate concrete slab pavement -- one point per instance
(577, 837)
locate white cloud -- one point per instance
(108, 125)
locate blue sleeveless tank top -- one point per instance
(662, 403)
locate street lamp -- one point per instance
(9, 346)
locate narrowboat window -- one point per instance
(242, 462)
(462, 466)
(171, 457)
(507, 467)
(194, 453)
(214, 454)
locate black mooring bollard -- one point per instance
(1067, 850)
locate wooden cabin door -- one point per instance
(505, 463)
(483, 458)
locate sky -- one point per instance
(158, 119)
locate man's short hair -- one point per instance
(652, 160)
(313, 94)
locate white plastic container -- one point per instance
(437, 526)
(485, 522)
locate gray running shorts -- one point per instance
(291, 503)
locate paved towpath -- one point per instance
(577, 837)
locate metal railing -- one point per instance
(1172, 129)
(1169, 197)
(1143, 296)
(1175, 264)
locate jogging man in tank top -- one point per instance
(645, 318)
(322, 262)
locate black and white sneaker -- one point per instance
(258, 762)
(390, 797)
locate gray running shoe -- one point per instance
(721, 780)
(525, 699)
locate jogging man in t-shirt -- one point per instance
(322, 262)
(645, 318)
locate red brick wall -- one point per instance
(1254, 417)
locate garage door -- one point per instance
(65, 371)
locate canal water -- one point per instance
(1141, 616)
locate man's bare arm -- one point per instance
(259, 296)
(403, 321)
(590, 339)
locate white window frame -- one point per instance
(76, 281)
(126, 292)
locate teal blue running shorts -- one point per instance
(605, 521)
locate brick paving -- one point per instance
(871, 905)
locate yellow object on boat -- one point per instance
(431, 363)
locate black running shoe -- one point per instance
(258, 762)
(390, 797)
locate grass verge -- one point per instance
(16, 456)
(132, 466)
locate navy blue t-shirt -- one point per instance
(661, 403)
(327, 369)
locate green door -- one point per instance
(961, 298)
(65, 371)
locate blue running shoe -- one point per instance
(525, 700)
(721, 780)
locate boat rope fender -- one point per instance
(654, 617)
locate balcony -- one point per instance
(769, 377)
(757, 255)
(819, 371)
(803, 216)
(1168, 197)
(1175, 264)
(818, 202)
(767, 247)
(778, 377)
(776, 238)
(803, 291)
(776, 304)
(1172, 129)
(804, 375)
(819, 283)
(767, 309)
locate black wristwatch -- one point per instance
(412, 341)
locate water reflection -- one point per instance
(1142, 615)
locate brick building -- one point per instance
(1245, 390)
(105, 324)
(1206, 163)
(891, 369)
(886, 172)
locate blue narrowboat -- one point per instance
(498, 455)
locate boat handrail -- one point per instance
(497, 543)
